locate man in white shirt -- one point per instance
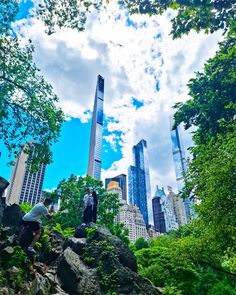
(32, 220)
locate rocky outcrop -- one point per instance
(96, 263)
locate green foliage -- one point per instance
(69, 14)
(141, 243)
(26, 207)
(90, 232)
(28, 109)
(119, 230)
(209, 16)
(67, 232)
(188, 265)
(212, 106)
(14, 268)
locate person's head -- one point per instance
(88, 190)
(47, 202)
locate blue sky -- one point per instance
(70, 154)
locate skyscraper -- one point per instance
(129, 215)
(178, 207)
(139, 179)
(121, 179)
(25, 186)
(180, 164)
(95, 148)
(163, 213)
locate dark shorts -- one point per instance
(32, 225)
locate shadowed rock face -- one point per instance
(97, 265)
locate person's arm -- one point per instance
(50, 212)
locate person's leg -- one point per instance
(36, 238)
(90, 214)
(85, 216)
(95, 214)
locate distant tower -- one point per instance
(163, 213)
(180, 164)
(178, 207)
(95, 148)
(25, 186)
(121, 179)
(139, 179)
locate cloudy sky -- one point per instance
(145, 73)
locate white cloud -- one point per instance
(132, 61)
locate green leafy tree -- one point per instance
(141, 243)
(28, 108)
(206, 15)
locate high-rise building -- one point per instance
(25, 186)
(130, 216)
(163, 213)
(139, 179)
(95, 148)
(180, 163)
(178, 207)
(121, 179)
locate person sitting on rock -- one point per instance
(88, 203)
(32, 221)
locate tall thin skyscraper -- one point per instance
(180, 164)
(139, 179)
(25, 186)
(95, 148)
(121, 179)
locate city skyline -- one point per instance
(144, 77)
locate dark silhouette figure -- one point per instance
(88, 204)
(95, 205)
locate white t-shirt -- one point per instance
(88, 200)
(36, 213)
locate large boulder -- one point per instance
(75, 276)
(76, 244)
(12, 216)
(123, 253)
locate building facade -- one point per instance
(129, 215)
(163, 213)
(178, 207)
(95, 147)
(139, 179)
(25, 186)
(121, 179)
(181, 165)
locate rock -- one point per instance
(76, 244)
(81, 231)
(75, 277)
(9, 250)
(12, 216)
(126, 258)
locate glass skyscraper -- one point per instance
(139, 179)
(180, 164)
(95, 148)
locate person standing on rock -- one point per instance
(95, 205)
(32, 221)
(88, 204)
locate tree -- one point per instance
(213, 94)
(28, 108)
(206, 15)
